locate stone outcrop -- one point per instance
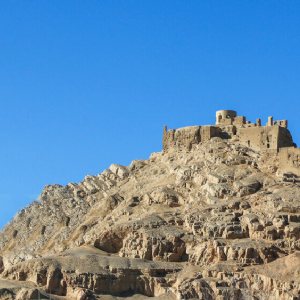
(210, 217)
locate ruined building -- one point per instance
(274, 137)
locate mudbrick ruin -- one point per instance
(215, 215)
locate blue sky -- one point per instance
(84, 84)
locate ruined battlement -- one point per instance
(274, 135)
(230, 117)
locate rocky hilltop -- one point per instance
(212, 218)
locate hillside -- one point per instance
(215, 220)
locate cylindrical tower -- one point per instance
(224, 114)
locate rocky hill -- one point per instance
(217, 220)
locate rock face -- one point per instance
(215, 220)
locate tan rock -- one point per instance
(215, 215)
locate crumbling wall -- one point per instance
(181, 138)
(289, 160)
(239, 120)
(258, 138)
(186, 137)
(208, 132)
(263, 138)
(281, 123)
(285, 138)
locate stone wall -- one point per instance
(285, 138)
(256, 137)
(289, 160)
(264, 138)
(186, 137)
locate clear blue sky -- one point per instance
(84, 84)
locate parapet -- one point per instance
(281, 123)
